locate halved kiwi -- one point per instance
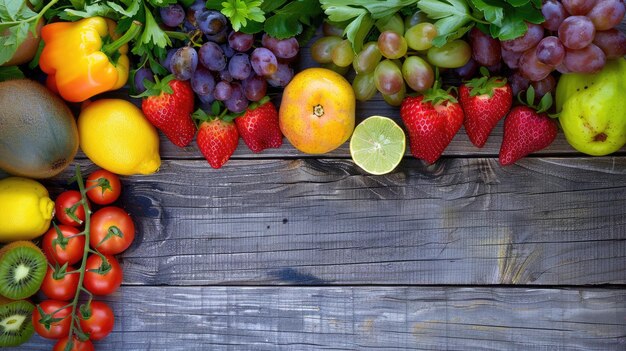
(22, 269)
(16, 322)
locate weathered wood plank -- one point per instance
(364, 318)
(545, 221)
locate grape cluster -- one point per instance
(397, 59)
(576, 36)
(223, 64)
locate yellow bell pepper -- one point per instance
(85, 58)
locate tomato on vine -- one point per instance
(46, 326)
(77, 345)
(65, 248)
(104, 187)
(59, 284)
(111, 230)
(96, 320)
(68, 210)
(102, 279)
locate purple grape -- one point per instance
(286, 48)
(206, 101)
(240, 41)
(263, 62)
(212, 56)
(239, 66)
(485, 49)
(141, 75)
(237, 102)
(228, 51)
(518, 83)
(211, 22)
(192, 11)
(550, 51)
(223, 91)
(219, 38)
(511, 58)
(281, 77)
(184, 63)
(202, 81)
(225, 75)
(255, 87)
(172, 15)
(468, 70)
(532, 36)
(167, 61)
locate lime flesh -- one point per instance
(377, 145)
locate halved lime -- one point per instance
(377, 145)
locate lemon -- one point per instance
(377, 145)
(116, 136)
(25, 209)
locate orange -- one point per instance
(317, 111)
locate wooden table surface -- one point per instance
(284, 251)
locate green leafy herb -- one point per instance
(359, 16)
(278, 18)
(10, 72)
(503, 20)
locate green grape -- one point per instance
(392, 45)
(330, 29)
(420, 36)
(322, 48)
(416, 18)
(388, 78)
(454, 54)
(417, 73)
(367, 60)
(342, 54)
(364, 86)
(393, 23)
(333, 67)
(396, 99)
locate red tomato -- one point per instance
(73, 249)
(105, 187)
(63, 289)
(106, 283)
(77, 346)
(64, 203)
(111, 230)
(98, 323)
(58, 329)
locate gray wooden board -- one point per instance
(364, 318)
(546, 221)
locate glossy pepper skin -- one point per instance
(73, 58)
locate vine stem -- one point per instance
(81, 277)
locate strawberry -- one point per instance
(527, 129)
(258, 126)
(431, 120)
(168, 105)
(217, 138)
(485, 101)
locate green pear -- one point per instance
(593, 109)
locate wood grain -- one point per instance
(311, 222)
(363, 318)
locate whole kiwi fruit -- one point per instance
(22, 269)
(16, 321)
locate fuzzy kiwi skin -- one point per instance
(9, 308)
(38, 132)
(42, 265)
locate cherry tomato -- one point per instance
(60, 251)
(98, 322)
(77, 346)
(105, 187)
(63, 289)
(105, 283)
(58, 329)
(64, 203)
(111, 230)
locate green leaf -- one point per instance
(10, 72)
(89, 11)
(357, 30)
(271, 5)
(132, 9)
(252, 27)
(161, 3)
(493, 14)
(152, 33)
(12, 40)
(282, 26)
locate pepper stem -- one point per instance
(111, 48)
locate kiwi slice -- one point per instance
(16, 322)
(22, 269)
